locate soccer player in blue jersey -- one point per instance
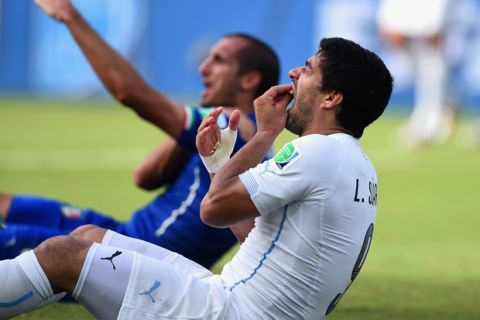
(237, 70)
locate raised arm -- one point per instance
(227, 202)
(119, 77)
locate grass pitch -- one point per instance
(424, 261)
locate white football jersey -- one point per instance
(317, 199)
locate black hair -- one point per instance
(360, 76)
(258, 56)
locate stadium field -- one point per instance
(424, 261)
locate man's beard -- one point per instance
(298, 116)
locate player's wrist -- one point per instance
(221, 154)
(265, 136)
(68, 14)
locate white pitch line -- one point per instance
(71, 159)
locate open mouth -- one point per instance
(291, 103)
(206, 88)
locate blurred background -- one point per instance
(61, 135)
(167, 40)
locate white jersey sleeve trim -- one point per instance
(249, 183)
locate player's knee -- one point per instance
(62, 258)
(57, 248)
(89, 232)
(5, 202)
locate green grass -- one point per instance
(424, 261)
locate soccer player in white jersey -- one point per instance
(314, 206)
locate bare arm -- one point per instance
(119, 77)
(161, 166)
(228, 202)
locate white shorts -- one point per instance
(162, 290)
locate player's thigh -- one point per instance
(158, 289)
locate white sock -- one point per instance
(23, 286)
(103, 280)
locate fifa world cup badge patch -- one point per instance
(287, 155)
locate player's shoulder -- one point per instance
(313, 151)
(318, 144)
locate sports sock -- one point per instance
(24, 286)
(103, 280)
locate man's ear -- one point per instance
(250, 80)
(333, 99)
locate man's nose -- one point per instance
(294, 73)
(204, 66)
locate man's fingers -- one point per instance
(202, 142)
(278, 91)
(208, 121)
(208, 133)
(60, 10)
(234, 119)
(206, 141)
(41, 4)
(211, 118)
(277, 96)
(215, 113)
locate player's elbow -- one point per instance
(211, 214)
(142, 180)
(121, 88)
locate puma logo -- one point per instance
(117, 253)
(156, 284)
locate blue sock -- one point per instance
(58, 214)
